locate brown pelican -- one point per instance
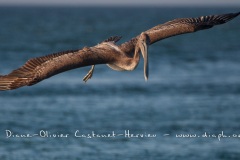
(124, 57)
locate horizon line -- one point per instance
(116, 5)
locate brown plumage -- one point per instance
(118, 57)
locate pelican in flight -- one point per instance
(123, 57)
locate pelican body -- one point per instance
(123, 57)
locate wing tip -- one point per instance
(113, 39)
(212, 20)
(10, 83)
(227, 17)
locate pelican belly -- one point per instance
(115, 67)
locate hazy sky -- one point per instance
(122, 2)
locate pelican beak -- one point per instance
(143, 45)
(144, 50)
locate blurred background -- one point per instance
(193, 85)
(222, 3)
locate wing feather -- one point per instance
(7, 82)
(38, 69)
(27, 69)
(113, 39)
(177, 27)
(187, 25)
(27, 74)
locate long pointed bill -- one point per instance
(144, 49)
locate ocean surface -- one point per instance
(188, 109)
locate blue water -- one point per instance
(193, 88)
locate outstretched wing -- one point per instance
(27, 74)
(187, 25)
(38, 69)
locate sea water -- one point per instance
(188, 109)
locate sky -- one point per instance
(124, 2)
